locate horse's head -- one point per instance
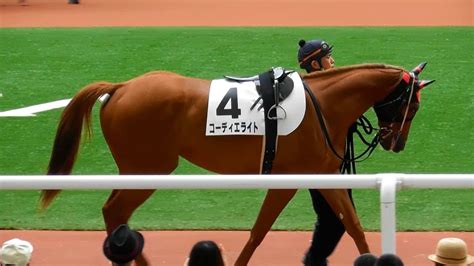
(396, 111)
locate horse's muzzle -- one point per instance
(398, 143)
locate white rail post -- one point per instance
(388, 186)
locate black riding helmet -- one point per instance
(312, 50)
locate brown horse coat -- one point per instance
(151, 120)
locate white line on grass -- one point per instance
(32, 110)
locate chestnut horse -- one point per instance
(151, 120)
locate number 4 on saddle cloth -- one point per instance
(235, 104)
(235, 108)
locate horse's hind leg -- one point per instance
(137, 155)
(121, 205)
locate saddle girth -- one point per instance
(275, 86)
(271, 125)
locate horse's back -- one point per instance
(155, 97)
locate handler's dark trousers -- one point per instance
(327, 233)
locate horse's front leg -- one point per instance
(275, 201)
(341, 204)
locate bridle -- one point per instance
(389, 116)
(349, 159)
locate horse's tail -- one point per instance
(68, 134)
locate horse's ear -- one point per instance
(417, 70)
(423, 83)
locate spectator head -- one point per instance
(389, 260)
(16, 252)
(206, 253)
(451, 251)
(366, 259)
(123, 245)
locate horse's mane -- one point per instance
(338, 70)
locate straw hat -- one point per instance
(451, 251)
(16, 251)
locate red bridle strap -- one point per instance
(412, 89)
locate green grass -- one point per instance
(41, 65)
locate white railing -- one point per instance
(388, 184)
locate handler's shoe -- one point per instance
(308, 261)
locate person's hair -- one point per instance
(366, 259)
(389, 260)
(308, 67)
(205, 253)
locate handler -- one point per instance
(316, 55)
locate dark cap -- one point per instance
(313, 49)
(123, 245)
(365, 260)
(389, 260)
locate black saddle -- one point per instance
(283, 85)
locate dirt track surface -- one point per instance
(172, 247)
(57, 13)
(278, 248)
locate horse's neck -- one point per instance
(348, 95)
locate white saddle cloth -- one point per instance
(229, 103)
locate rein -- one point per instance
(349, 159)
(348, 164)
